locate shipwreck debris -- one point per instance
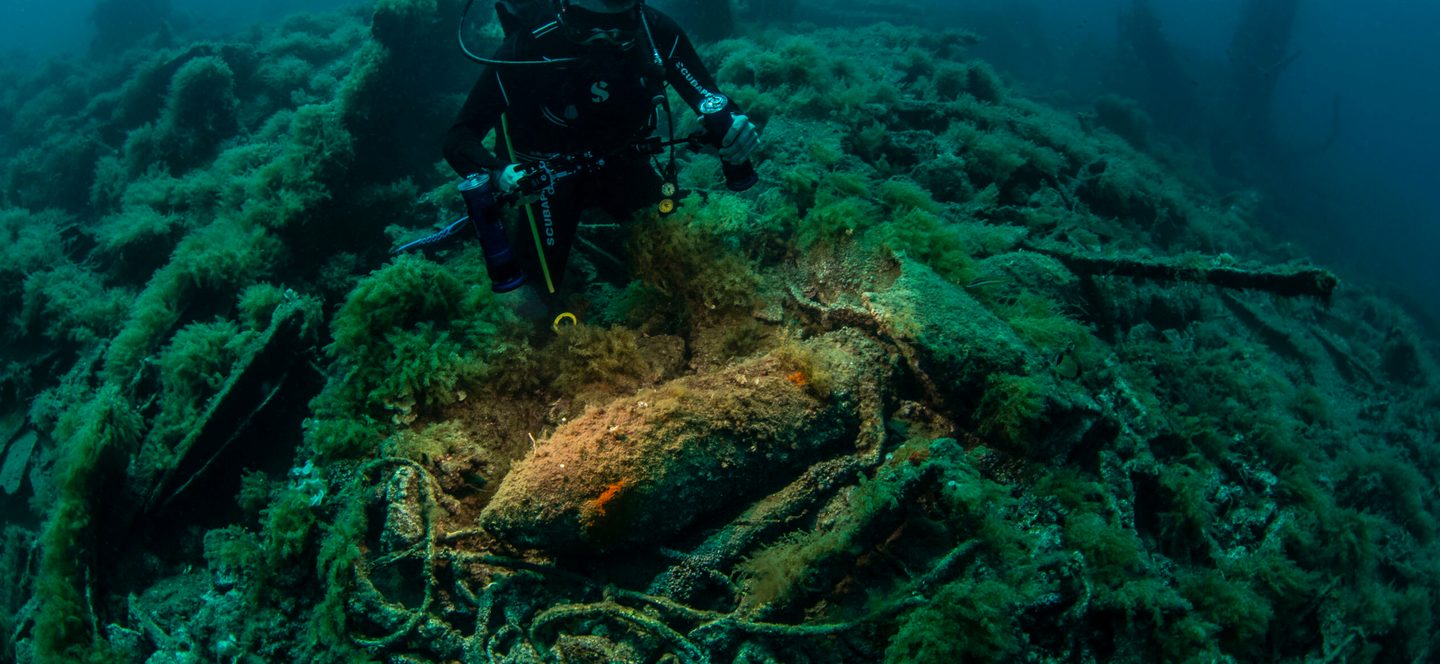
(1287, 281)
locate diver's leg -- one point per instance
(628, 186)
(625, 191)
(529, 304)
(544, 238)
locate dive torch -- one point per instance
(482, 201)
(738, 177)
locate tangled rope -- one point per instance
(520, 618)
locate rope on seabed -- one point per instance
(618, 612)
(427, 483)
(713, 627)
(723, 622)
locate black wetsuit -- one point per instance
(602, 104)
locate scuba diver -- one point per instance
(584, 77)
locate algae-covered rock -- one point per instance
(1028, 271)
(644, 467)
(956, 341)
(977, 362)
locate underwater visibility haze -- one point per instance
(1030, 331)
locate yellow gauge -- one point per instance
(667, 206)
(567, 316)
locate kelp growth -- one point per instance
(868, 410)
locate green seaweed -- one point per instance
(71, 305)
(682, 256)
(95, 435)
(1010, 407)
(1250, 489)
(408, 336)
(968, 620)
(587, 357)
(200, 111)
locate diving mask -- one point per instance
(588, 27)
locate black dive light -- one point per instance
(738, 177)
(482, 202)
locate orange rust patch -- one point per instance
(797, 377)
(598, 504)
